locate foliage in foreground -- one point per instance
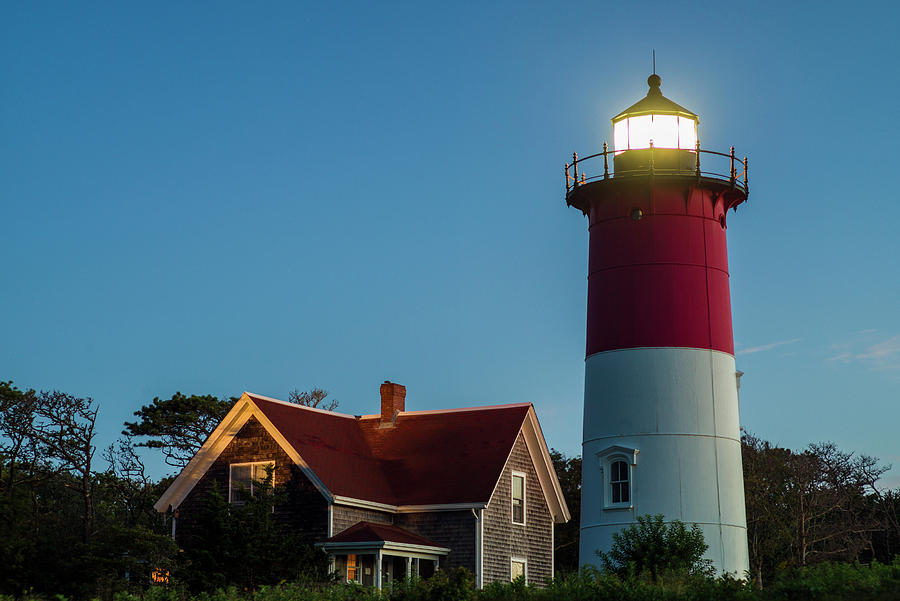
(824, 582)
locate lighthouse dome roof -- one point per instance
(655, 104)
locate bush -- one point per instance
(838, 581)
(445, 585)
(654, 547)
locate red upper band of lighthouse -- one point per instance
(658, 263)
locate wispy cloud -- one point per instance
(767, 347)
(842, 357)
(882, 350)
(881, 355)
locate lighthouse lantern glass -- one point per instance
(665, 131)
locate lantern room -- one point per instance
(654, 138)
(655, 123)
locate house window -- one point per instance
(352, 568)
(518, 498)
(518, 569)
(618, 482)
(244, 480)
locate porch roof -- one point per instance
(370, 535)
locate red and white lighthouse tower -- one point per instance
(661, 433)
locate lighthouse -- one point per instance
(661, 429)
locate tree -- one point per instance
(769, 528)
(566, 536)
(314, 397)
(886, 541)
(65, 429)
(247, 545)
(831, 513)
(178, 425)
(821, 504)
(655, 547)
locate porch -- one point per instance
(378, 555)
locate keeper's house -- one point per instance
(396, 493)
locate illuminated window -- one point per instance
(352, 568)
(159, 577)
(518, 569)
(245, 478)
(687, 133)
(665, 131)
(518, 498)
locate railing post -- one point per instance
(733, 172)
(567, 177)
(575, 166)
(605, 162)
(746, 175)
(651, 158)
(697, 160)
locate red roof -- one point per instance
(426, 458)
(368, 532)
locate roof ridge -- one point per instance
(253, 395)
(461, 409)
(457, 410)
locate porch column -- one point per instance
(408, 568)
(378, 569)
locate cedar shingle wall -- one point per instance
(503, 539)
(344, 517)
(305, 511)
(452, 529)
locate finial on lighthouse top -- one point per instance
(655, 119)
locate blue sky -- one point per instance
(219, 197)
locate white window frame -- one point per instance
(512, 513)
(606, 458)
(524, 563)
(233, 501)
(610, 483)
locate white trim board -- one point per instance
(218, 441)
(543, 467)
(364, 504)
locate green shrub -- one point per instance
(654, 547)
(824, 582)
(837, 581)
(445, 585)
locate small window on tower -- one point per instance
(618, 464)
(618, 482)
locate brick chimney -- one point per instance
(393, 400)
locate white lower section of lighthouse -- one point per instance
(662, 436)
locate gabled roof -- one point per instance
(425, 460)
(365, 532)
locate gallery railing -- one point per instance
(578, 174)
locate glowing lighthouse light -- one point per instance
(656, 120)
